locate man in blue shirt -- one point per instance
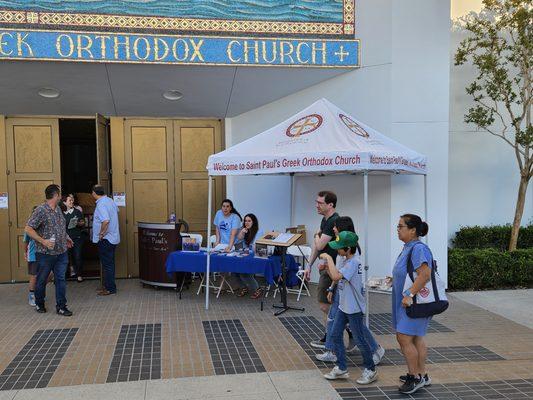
(107, 236)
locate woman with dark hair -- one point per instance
(410, 332)
(75, 222)
(249, 234)
(227, 222)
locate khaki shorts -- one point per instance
(32, 268)
(323, 284)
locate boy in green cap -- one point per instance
(351, 307)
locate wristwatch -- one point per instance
(408, 293)
(329, 289)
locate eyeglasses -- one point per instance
(401, 226)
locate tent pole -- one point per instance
(292, 200)
(425, 203)
(365, 251)
(208, 265)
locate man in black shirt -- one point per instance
(326, 202)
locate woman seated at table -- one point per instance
(249, 234)
(227, 221)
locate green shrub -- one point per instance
(489, 269)
(496, 237)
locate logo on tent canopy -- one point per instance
(354, 126)
(304, 125)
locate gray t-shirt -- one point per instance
(351, 296)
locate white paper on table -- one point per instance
(283, 237)
(220, 247)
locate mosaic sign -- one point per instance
(176, 49)
(293, 17)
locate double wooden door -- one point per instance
(33, 162)
(165, 171)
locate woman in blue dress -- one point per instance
(410, 332)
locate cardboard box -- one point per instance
(299, 229)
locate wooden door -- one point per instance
(102, 153)
(194, 142)
(33, 162)
(149, 171)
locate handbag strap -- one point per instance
(411, 270)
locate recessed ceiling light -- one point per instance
(48, 92)
(172, 95)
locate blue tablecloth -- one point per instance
(180, 261)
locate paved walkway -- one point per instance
(148, 344)
(516, 305)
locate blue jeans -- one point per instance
(356, 322)
(106, 252)
(45, 264)
(247, 280)
(329, 326)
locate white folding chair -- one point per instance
(223, 282)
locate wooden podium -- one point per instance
(269, 239)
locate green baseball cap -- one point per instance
(345, 239)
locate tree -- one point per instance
(499, 44)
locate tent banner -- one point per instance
(314, 162)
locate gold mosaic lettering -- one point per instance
(283, 54)
(20, 42)
(87, 47)
(2, 44)
(136, 48)
(125, 43)
(315, 50)
(196, 50)
(185, 50)
(299, 53)
(157, 42)
(229, 50)
(264, 52)
(70, 43)
(247, 48)
(103, 45)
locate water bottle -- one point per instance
(172, 218)
(53, 240)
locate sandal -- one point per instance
(242, 292)
(258, 293)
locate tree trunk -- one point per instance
(520, 202)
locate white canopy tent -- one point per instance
(321, 139)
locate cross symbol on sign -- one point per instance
(341, 54)
(32, 17)
(300, 126)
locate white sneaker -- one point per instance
(328, 356)
(337, 373)
(368, 376)
(378, 355)
(351, 346)
(318, 344)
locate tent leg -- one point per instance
(425, 203)
(365, 251)
(208, 264)
(292, 199)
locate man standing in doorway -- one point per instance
(48, 228)
(326, 202)
(107, 236)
